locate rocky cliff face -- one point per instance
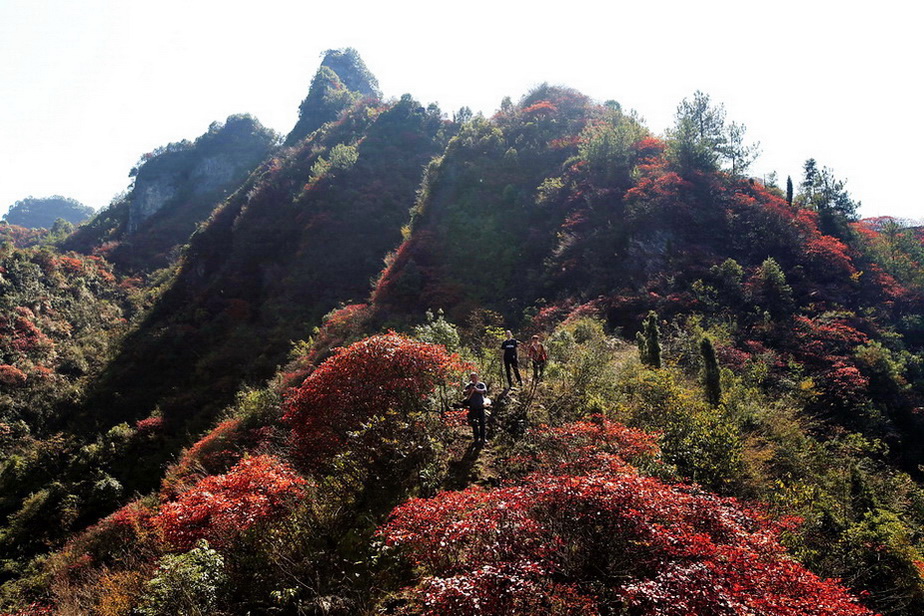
(213, 166)
(149, 196)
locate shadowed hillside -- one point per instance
(308, 231)
(175, 188)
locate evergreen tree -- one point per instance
(825, 194)
(711, 376)
(701, 139)
(769, 289)
(649, 341)
(789, 190)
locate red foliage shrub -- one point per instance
(149, 425)
(12, 376)
(830, 254)
(221, 507)
(41, 372)
(891, 288)
(551, 316)
(373, 376)
(650, 149)
(217, 448)
(733, 357)
(124, 531)
(821, 338)
(658, 185)
(33, 609)
(214, 453)
(602, 542)
(565, 142)
(135, 516)
(19, 334)
(71, 265)
(541, 107)
(582, 446)
(845, 382)
(661, 199)
(593, 309)
(509, 589)
(765, 224)
(339, 326)
(21, 237)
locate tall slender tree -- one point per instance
(711, 377)
(649, 341)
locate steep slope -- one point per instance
(341, 80)
(557, 205)
(175, 188)
(307, 231)
(478, 238)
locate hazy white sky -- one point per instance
(87, 86)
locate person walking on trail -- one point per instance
(510, 358)
(537, 353)
(475, 392)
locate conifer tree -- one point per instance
(789, 190)
(824, 193)
(769, 289)
(649, 341)
(711, 377)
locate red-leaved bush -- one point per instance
(149, 425)
(338, 327)
(20, 337)
(581, 446)
(377, 375)
(34, 609)
(127, 529)
(12, 376)
(606, 541)
(221, 507)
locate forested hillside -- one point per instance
(248, 401)
(34, 213)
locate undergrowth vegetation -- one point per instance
(610, 486)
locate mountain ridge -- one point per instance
(558, 216)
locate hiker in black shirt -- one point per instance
(475, 392)
(510, 358)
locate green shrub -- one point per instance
(187, 584)
(703, 442)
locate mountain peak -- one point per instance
(341, 80)
(352, 71)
